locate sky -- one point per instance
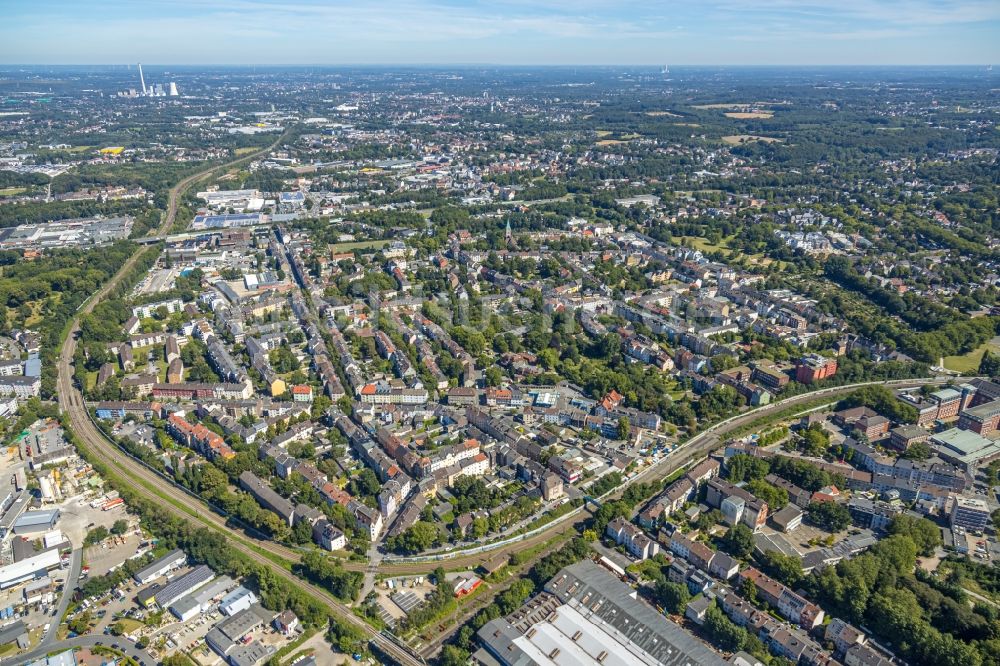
(515, 32)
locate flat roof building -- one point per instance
(225, 635)
(587, 616)
(36, 521)
(160, 567)
(183, 585)
(965, 449)
(971, 513)
(28, 568)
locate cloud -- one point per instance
(514, 31)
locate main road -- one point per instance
(123, 645)
(161, 490)
(150, 486)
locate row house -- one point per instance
(147, 339)
(800, 497)
(382, 393)
(680, 491)
(700, 555)
(781, 639)
(198, 437)
(667, 503)
(635, 540)
(754, 511)
(266, 497)
(791, 605)
(141, 385)
(862, 420)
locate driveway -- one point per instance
(123, 645)
(69, 586)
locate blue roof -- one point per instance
(33, 367)
(37, 518)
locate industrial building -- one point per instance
(16, 507)
(965, 449)
(36, 521)
(161, 567)
(65, 233)
(238, 600)
(199, 602)
(183, 586)
(588, 616)
(226, 636)
(28, 568)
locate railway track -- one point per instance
(152, 486)
(147, 484)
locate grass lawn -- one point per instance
(128, 625)
(357, 245)
(245, 151)
(703, 244)
(969, 361)
(735, 139)
(11, 191)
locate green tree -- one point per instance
(815, 440)
(96, 535)
(990, 364)
(726, 635)
(120, 527)
(176, 659)
(624, 428)
(925, 535)
(417, 538)
(742, 467)
(674, 597)
(831, 516)
(738, 541)
(453, 656)
(80, 623)
(493, 376)
(784, 568)
(776, 497)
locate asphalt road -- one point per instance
(148, 484)
(72, 579)
(123, 645)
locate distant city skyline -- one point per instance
(514, 32)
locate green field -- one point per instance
(11, 191)
(357, 245)
(970, 361)
(703, 244)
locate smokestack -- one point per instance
(142, 81)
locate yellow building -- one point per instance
(278, 387)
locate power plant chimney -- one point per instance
(142, 81)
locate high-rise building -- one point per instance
(971, 513)
(173, 89)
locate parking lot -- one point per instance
(405, 595)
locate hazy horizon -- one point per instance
(504, 33)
